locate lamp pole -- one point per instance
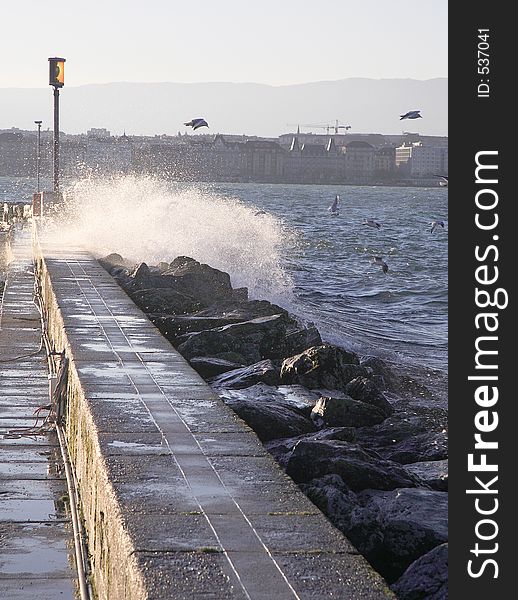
(38, 156)
(57, 80)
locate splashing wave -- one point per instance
(151, 220)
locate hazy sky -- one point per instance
(265, 41)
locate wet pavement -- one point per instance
(174, 485)
(36, 562)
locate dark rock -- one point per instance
(394, 528)
(426, 578)
(333, 498)
(255, 340)
(112, 260)
(345, 412)
(241, 311)
(295, 396)
(164, 300)
(173, 327)
(424, 447)
(271, 420)
(382, 374)
(360, 469)
(367, 391)
(210, 367)
(264, 371)
(405, 439)
(240, 294)
(322, 366)
(206, 284)
(433, 473)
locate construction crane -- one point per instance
(336, 127)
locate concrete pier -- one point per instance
(179, 497)
(35, 552)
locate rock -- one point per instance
(322, 366)
(405, 439)
(426, 578)
(424, 447)
(271, 420)
(206, 284)
(210, 367)
(359, 469)
(433, 473)
(164, 300)
(173, 327)
(333, 498)
(382, 374)
(240, 294)
(241, 311)
(295, 396)
(367, 391)
(112, 260)
(394, 528)
(264, 371)
(345, 412)
(255, 340)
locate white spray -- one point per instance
(147, 219)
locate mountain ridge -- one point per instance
(138, 108)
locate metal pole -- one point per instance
(38, 156)
(56, 139)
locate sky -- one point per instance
(276, 42)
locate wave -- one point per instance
(148, 219)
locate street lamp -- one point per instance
(38, 155)
(57, 80)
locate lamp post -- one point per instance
(38, 156)
(57, 80)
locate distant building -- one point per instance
(359, 162)
(417, 160)
(313, 163)
(384, 163)
(98, 132)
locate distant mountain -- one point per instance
(368, 105)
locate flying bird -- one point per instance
(444, 179)
(259, 212)
(411, 114)
(333, 209)
(372, 223)
(379, 261)
(196, 123)
(436, 224)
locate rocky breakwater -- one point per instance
(343, 426)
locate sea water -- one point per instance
(284, 245)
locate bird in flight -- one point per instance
(196, 123)
(379, 261)
(411, 114)
(333, 209)
(436, 224)
(372, 223)
(444, 180)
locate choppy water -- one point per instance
(318, 265)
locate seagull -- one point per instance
(195, 123)
(436, 224)
(372, 223)
(444, 181)
(259, 212)
(379, 261)
(333, 209)
(411, 114)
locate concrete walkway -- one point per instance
(174, 485)
(35, 557)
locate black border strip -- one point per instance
(481, 123)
